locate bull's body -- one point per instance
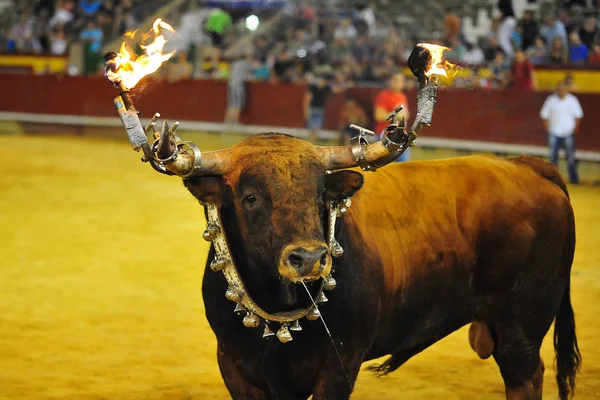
(429, 247)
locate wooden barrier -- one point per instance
(508, 116)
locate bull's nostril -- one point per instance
(295, 260)
(324, 259)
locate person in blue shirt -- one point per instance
(93, 34)
(553, 28)
(578, 52)
(89, 7)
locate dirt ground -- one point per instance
(101, 265)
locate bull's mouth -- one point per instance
(300, 294)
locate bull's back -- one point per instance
(420, 217)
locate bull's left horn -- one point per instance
(185, 159)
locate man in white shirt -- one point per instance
(562, 115)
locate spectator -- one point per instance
(89, 7)
(565, 18)
(595, 54)
(570, 82)
(473, 55)
(125, 21)
(350, 113)
(366, 15)
(58, 42)
(63, 14)
(521, 71)
(21, 34)
(345, 30)
(92, 34)
(282, 66)
(529, 30)
(218, 22)
(315, 101)
(558, 51)
(499, 69)
(236, 90)
(386, 101)
(538, 52)
(553, 28)
(562, 115)
(180, 69)
(578, 52)
(452, 26)
(589, 32)
(491, 49)
(506, 28)
(260, 70)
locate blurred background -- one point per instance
(310, 67)
(98, 300)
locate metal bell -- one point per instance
(337, 250)
(284, 335)
(239, 308)
(268, 332)
(233, 295)
(329, 283)
(296, 326)
(210, 232)
(313, 314)
(251, 320)
(322, 298)
(347, 202)
(218, 264)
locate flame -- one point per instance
(437, 66)
(129, 69)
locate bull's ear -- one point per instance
(207, 189)
(342, 184)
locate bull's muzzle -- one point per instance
(304, 262)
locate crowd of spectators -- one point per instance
(50, 26)
(315, 41)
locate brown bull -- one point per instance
(429, 247)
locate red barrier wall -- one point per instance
(508, 116)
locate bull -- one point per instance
(429, 247)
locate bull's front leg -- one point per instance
(336, 381)
(237, 375)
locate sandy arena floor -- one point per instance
(101, 265)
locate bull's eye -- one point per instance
(249, 201)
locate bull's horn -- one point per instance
(185, 159)
(191, 162)
(393, 142)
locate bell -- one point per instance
(268, 332)
(347, 202)
(337, 250)
(322, 298)
(217, 264)
(251, 320)
(239, 308)
(343, 210)
(283, 334)
(313, 314)
(233, 295)
(210, 232)
(329, 283)
(296, 326)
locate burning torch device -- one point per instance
(131, 122)
(425, 62)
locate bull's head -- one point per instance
(274, 193)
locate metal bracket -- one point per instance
(357, 143)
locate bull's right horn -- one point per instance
(185, 159)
